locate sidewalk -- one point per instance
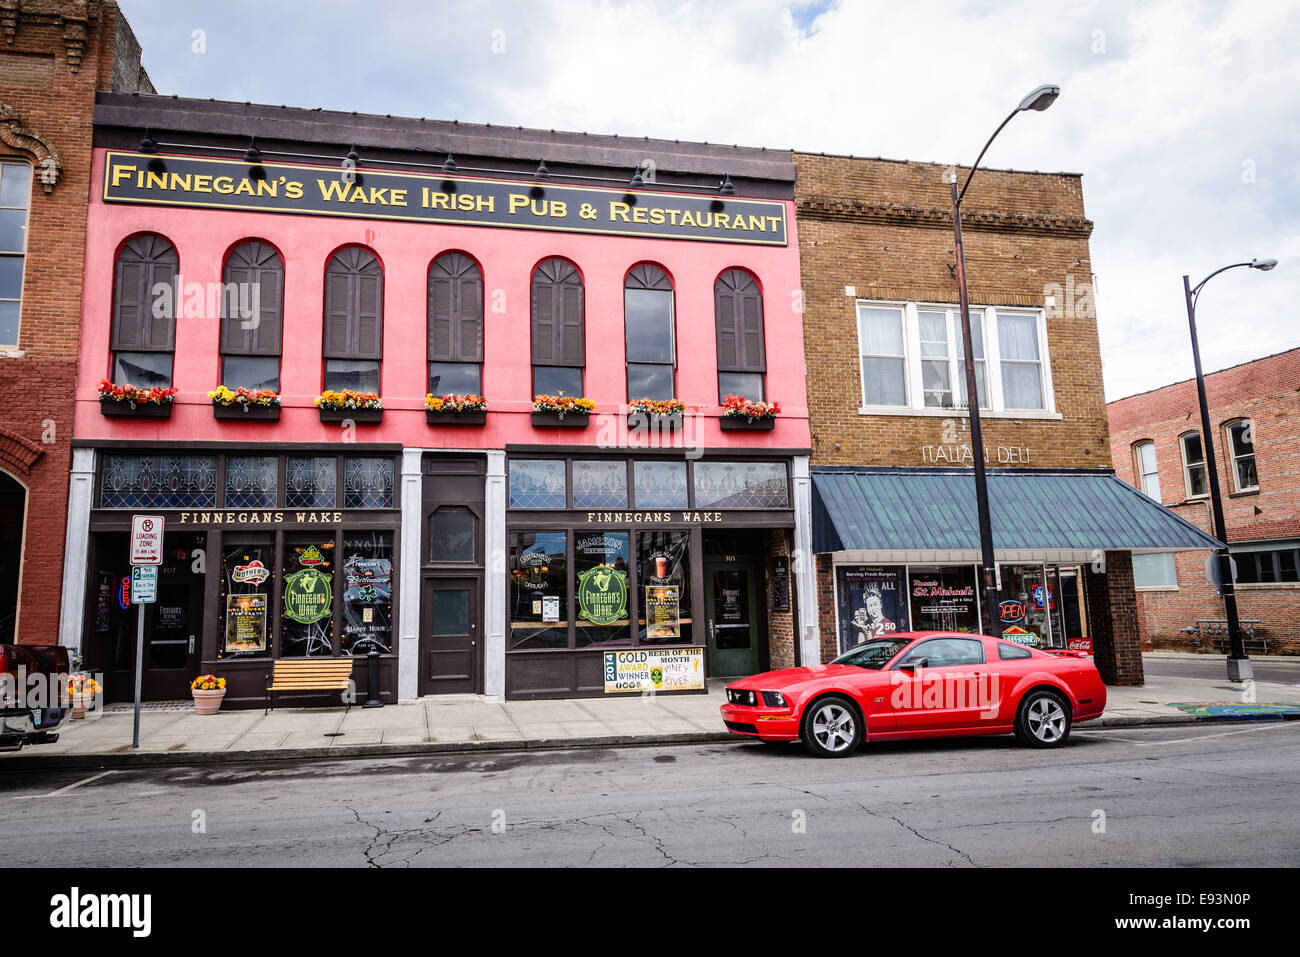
(173, 734)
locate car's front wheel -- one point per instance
(831, 727)
(1044, 719)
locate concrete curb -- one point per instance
(343, 752)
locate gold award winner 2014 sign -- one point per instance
(202, 182)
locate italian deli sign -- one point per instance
(437, 198)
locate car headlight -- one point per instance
(741, 696)
(774, 699)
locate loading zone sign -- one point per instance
(146, 539)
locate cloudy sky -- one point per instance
(1183, 116)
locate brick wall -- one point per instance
(1266, 391)
(780, 624)
(56, 55)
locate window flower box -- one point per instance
(662, 414)
(261, 405)
(561, 412)
(455, 409)
(741, 415)
(359, 407)
(127, 401)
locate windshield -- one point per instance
(872, 654)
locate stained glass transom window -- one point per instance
(367, 483)
(252, 481)
(311, 482)
(741, 485)
(660, 484)
(537, 483)
(599, 484)
(158, 481)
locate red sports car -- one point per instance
(920, 684)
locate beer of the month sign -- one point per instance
(146, 540)
(654, 669)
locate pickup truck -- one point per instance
(33, 694)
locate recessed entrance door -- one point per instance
(173, 629)
(733, 620)
(450, 647)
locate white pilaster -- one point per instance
(76, 548)
(494, 577)
(805, 563)
(408, 617)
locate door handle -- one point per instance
(191, 651)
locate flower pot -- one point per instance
(359, 416)
(561, 420)
(247, 413)
(738, 423)
(81, 703)
(131, 410)
(207, 702)
(444, 417)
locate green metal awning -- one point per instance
(929, 515)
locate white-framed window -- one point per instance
(1156, 570)
(1144, 454)
(911, 356)
(1241, 450)
(15, 197)
(1193, 464)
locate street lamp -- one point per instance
(1038, 100)
(1239, 668)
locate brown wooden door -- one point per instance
(451, 649)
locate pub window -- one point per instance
(1241, 449)
(252, 312)
(538, 483)
(648, 332)
(1148, 473)
(367, 593)
(600, 569)
(1193, 464)
(307, 615)
(660, 484)
(15, 196)
(455, 320)
(539, 590)
(883, 355)
(367, 483)
(599, 484)
(663, 570)
(738, 319)
(158, 481)
(1022, 362)
(311, 481)
(451, 534)
(558, 329)
(144, 315)
(247, 565)
(741, 485)
(252, 481)
(354, 320)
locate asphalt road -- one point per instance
(1210, 794)
(1216, 666)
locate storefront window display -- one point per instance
(602, 587)
(872, 603)
(246, 595)
(663, 570)
(539, 601)
(944, 599)
(367, 593)
(1030, 606)
(307, 612)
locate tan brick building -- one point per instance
(895, 530)
(54, 56)
(1156, 445)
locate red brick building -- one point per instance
(54, 56)
(1156, 444)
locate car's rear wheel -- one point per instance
(1043, 720)
(831, 727)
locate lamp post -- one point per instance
(1039, 100)
(1239, 668)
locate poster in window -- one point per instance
(871, 603)
(943, 599)
(662, 612)
(780, 583)
(246, 622)
(367, 603)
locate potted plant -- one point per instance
(129, 401)
(739, 414)
(360, 407)
(208, 690)
(251, 405)
(82, 692)
(562, 411)
(661, 412)
(454, 409)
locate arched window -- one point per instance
(455, 317)
(1144, 463)
(144, 312)
(1241, 450)
(738, 315)
(1193, 464)
(648, 332)
(354, 320)
(559, 337)
(252, 317)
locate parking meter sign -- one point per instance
(144, 584)
(146, 539)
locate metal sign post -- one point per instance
(146, 556)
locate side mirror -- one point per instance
(911, 664)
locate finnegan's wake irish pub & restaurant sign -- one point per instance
(437, 198)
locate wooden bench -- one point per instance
(309, 674)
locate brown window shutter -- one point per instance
(647, 276)
(571, 348)
(370, 317)
(354, 306)
(143, 263)
(257, 265)
(544, 334)
(738, 310)
(469, 299)
(724, 311)
(455, 310)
